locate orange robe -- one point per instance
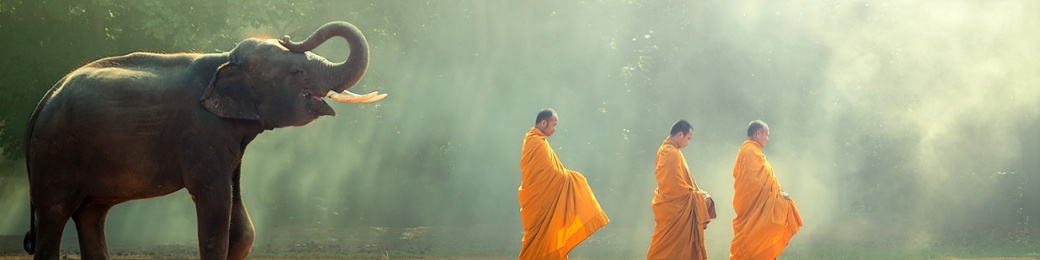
(765, 220)
(557, 207)
(680, 211)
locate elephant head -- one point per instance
(282, 83)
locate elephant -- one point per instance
(144, 125)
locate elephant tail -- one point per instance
(30, 236)
(29, 244)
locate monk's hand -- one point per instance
(786, 196)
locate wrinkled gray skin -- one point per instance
(145, 125)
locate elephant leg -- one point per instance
(213, 209)
(90, 224)
(51, 219)
(241, 236)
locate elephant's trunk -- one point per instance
(344, 75)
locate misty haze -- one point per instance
(903, 129)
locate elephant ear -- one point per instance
(229, 96)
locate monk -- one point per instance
(766, 215)
(557, 207)
(680, 211)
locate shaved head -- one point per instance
(681, 132)
(545, 114)
(546, 121)
(755, 126)
(681, 126)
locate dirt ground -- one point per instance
(317, 243)
(424, 243)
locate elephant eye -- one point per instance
(297, 73)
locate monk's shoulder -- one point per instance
(749, 153)
(744, 151)
(667, 152)
(757, 152)
(662, 150)
(533, 138)
(756, 156)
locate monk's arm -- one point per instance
(751, 177)
(768, 176)
(536, 155)
(669, 167)
(756, 162)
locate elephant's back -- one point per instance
(145, 60)
(145, 83)
(119, 100)
(91, 96)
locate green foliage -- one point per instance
(47, 39)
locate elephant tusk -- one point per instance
(350, 97)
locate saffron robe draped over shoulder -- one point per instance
(680, 212)
(557, 207)
(765, 220)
